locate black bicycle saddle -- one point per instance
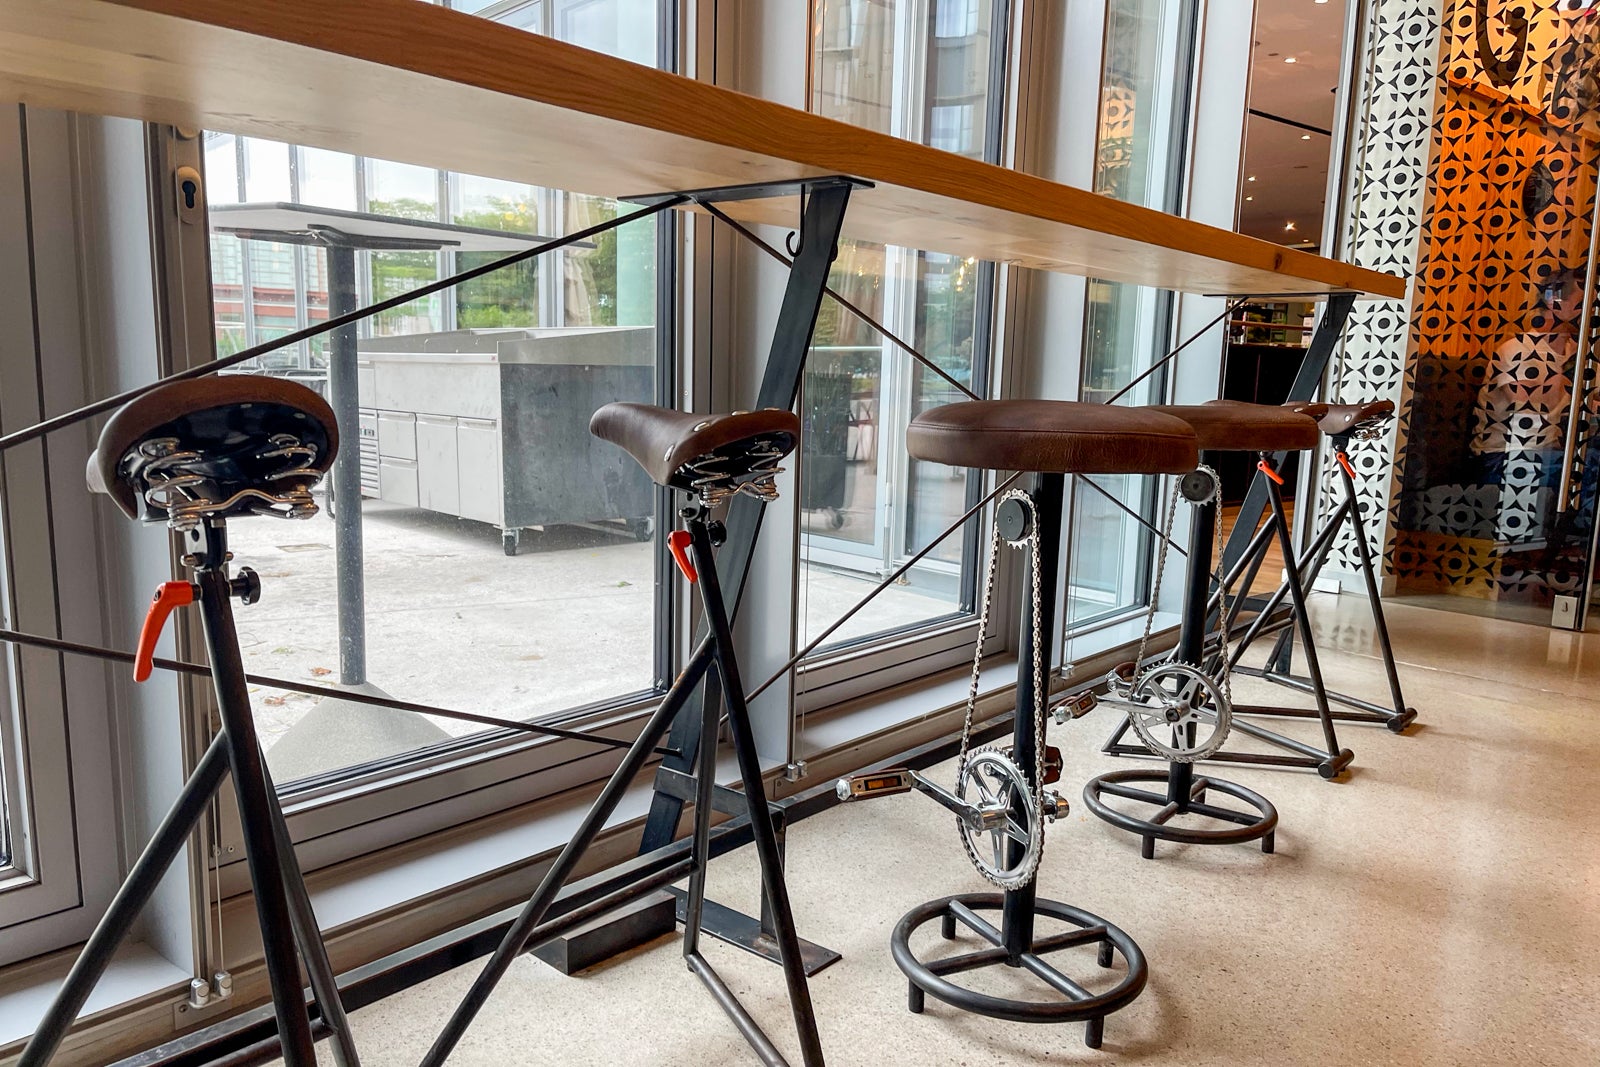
(216, 447)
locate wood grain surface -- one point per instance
(408, 81)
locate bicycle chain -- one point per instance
(1140, 672)
(1031, 542)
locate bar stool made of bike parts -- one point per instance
(711, 458)
(1168, 702)
(1001, 801)
(194, 454)
(1341, 423)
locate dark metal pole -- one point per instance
(744, 746)
(313, 950)
(780, 384)
(1298, 596)
(255, 806)
(1369, 572)
(125, 907)
(516, 937)
(344, 398)
(1196, 603)
(1049, 492)
(1307, 380)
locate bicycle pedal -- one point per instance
(1053, 762)
(1055, 805)
(1074, 706)
(885, 783)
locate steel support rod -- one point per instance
(345, 493)
(516, 937)
(132, 896)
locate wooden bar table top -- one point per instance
(408, 81)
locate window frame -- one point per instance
(848, 670)
(341, 815)
(54, 713)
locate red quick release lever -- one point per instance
(1344, 461)
(1266, 468)
(170, 595)
(678, 542)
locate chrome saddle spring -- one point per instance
(754, 473)
(170, 477)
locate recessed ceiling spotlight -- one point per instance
(1251, 178)
(1305, 137)
(1249, 198)
(1288, 226)
(1290, 59)
(1319, 1)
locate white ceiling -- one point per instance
(1290, 168)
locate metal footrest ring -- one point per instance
(1071, 1002)
(1258, 824)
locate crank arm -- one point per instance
(971, 815)
(896, 780)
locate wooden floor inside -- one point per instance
(1271, 572)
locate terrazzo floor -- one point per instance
(1441, 906)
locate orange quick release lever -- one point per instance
(171, 595)
(678, 542)
(1344, 461)
(1266, 468)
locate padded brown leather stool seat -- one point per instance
(1234, 426)
(1054, 436)
(677, 448)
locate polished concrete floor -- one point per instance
(1441, 906)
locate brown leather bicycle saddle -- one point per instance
(679, 448)
(1355, 418)
(216, 447)
(1236, 426)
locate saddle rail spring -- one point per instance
(170, 477)
(756, 474)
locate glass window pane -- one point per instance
(473, 442)
(266, 171)
(222, 168)
(867, 506)
(1110, 550)
(328, 179)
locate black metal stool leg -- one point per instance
(516, 937)
(1014, 941)
(766, 843)
(1403, 716)
(313, 950)
(130, 900)
(255, 806)
(1337, 759)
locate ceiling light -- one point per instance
(1251, 178)
(1290, 59)
(1288, 226)
(1305, 137)
(1249, 198)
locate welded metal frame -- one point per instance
(1185, 793)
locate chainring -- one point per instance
(1167, 700)
(991, 781)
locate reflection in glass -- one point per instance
(1109, 570)
(456, 396)
(919, 70)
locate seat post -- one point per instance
(209, 561)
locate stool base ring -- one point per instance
(1071, 1003)
(1259, 824)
